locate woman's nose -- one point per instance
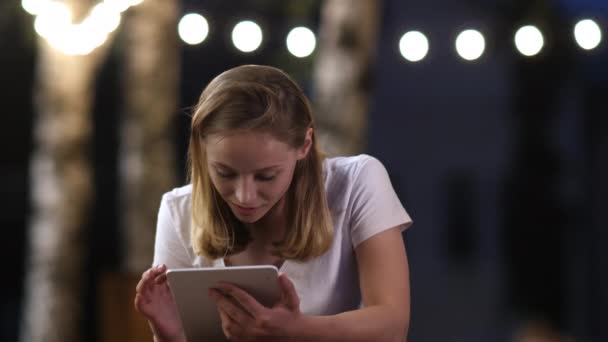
(245, 191)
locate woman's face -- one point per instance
(251, 171)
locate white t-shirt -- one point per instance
(362, 203)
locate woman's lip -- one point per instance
(245, 210)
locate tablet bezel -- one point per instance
(198, 313)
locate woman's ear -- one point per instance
(303, 151)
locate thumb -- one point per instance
(289, 296)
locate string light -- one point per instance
(301, 42)
(414, 46)
(247, 36)
(587, 34)
(54, 23)
(193, 28)
(470, 44)
(529, 40)
(34, 7)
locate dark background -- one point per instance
(502, 162)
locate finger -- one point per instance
(161, 278)
(229, 326)
(143, 282)
(289, 295)
(248, 303)
(148, 275)
(225, 323)
(140, 302)
(230, 307)
(158, 269)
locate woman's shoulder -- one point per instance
(178, 193)
(344, 176)
(178, 200)
(348, 167)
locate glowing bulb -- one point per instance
(54, 18)
(529, 40)
(193, 28)
(414, 46)
(34, 7)
(54, 23)
(587, 34)
(103, 18)
(247, 36)
(470, 44)
(118, 5)
(301, 42)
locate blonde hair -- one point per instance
(262, 99)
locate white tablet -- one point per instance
(198, 312)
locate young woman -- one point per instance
(262, 193)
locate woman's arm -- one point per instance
(153, 298)
(385, 289)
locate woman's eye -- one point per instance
(265, 178)
(225, 174)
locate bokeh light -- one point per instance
(247, 36)
(193, 28)
(470, 44)
(301, 42)
(529, 40)
(587, 34)
(414, 46)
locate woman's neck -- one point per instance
(272, 227)
(265, 234)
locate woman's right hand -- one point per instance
(155, 301)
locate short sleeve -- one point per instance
(169, 248)
(375, 205)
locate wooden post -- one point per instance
(342, 77)
(61, 196)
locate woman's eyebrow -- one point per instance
(228, 168)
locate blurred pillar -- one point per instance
(535, 210)
(595, 214)
(342, 75)
(147, 153)
(61, 191)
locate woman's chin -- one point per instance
(249, 218)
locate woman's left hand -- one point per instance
(245, 319)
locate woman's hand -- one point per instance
(155, 301)
(245, 319)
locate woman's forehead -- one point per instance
(247, 151)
